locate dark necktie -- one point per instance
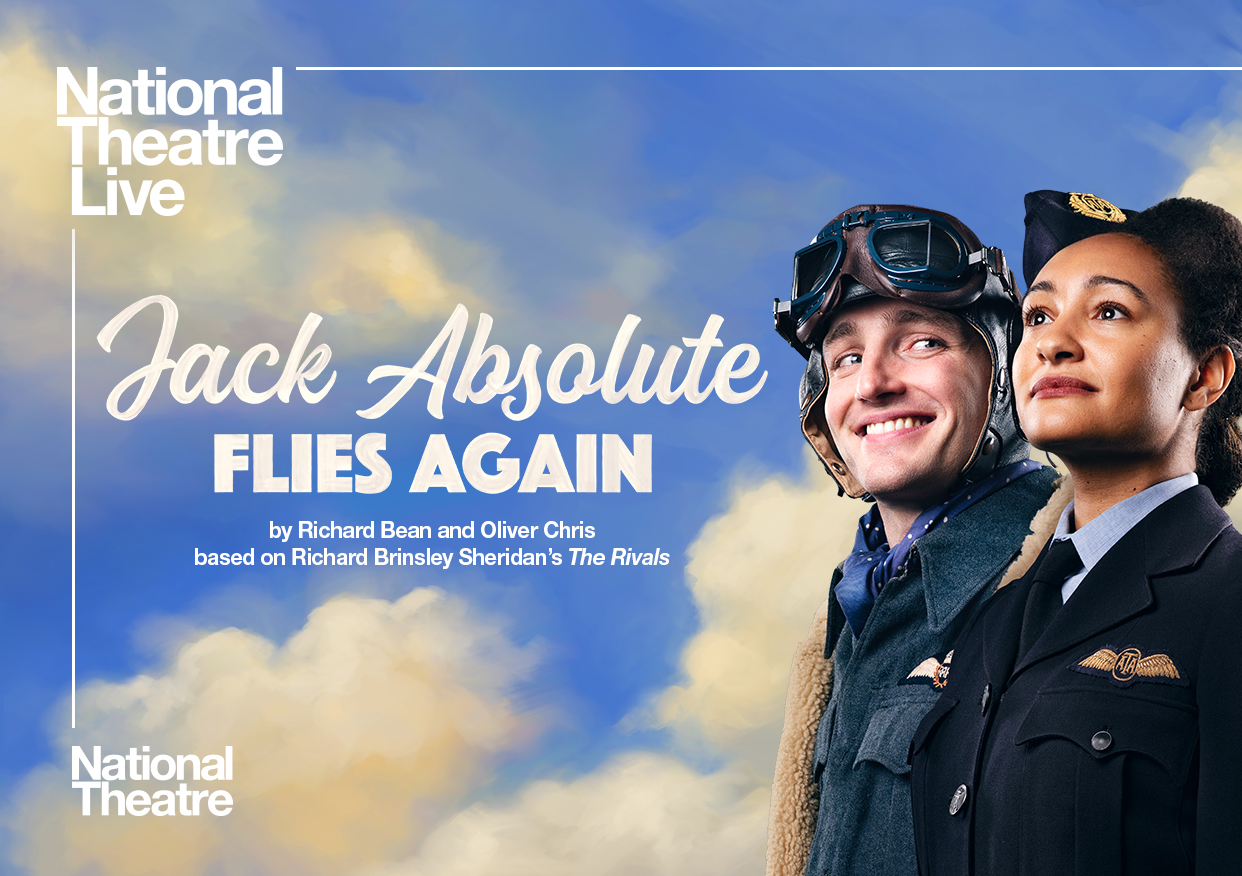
(1044, 600)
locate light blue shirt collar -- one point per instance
(1097, 538)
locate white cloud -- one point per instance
(758, 572)
(638, 815)
(366, 727)
(356, 738)
(1216, 173)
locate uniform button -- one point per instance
(1102, 741)
(959, 800)
(985, 699)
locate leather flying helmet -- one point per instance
(922, 256)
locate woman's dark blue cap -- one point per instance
(1054, 220)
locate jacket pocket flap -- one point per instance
(896, 713)
(1103, 724)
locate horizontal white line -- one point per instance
(769, 69)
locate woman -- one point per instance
(1092, 720)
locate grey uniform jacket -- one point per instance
(841, 764)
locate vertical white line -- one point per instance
(73, 478)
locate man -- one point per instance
(907, 322)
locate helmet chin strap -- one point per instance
(986, 459)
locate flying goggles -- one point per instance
(918, 255)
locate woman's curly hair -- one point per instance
(1200, 245)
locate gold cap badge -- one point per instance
(1095, 207)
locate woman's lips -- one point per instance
(1060, 385)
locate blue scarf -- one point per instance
(873, 562)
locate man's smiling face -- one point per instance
(907, 397)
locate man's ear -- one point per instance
(1211, 380)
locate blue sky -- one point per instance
(557, 202)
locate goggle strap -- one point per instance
(992, 257)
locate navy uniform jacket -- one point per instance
(1115, 745)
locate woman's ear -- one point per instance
(1211, 380)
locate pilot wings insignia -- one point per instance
(1124, 666)
(931, 671)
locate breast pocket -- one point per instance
(896, 713)
(1105, 725)
(1112, 768)
(881, 769)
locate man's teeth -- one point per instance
(894, 425)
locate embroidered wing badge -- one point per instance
(1125, 666)
(931, 671)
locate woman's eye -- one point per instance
(1108, 311)
(1035, 317)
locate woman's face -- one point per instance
(1102, 370)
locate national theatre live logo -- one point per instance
(114, 148)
